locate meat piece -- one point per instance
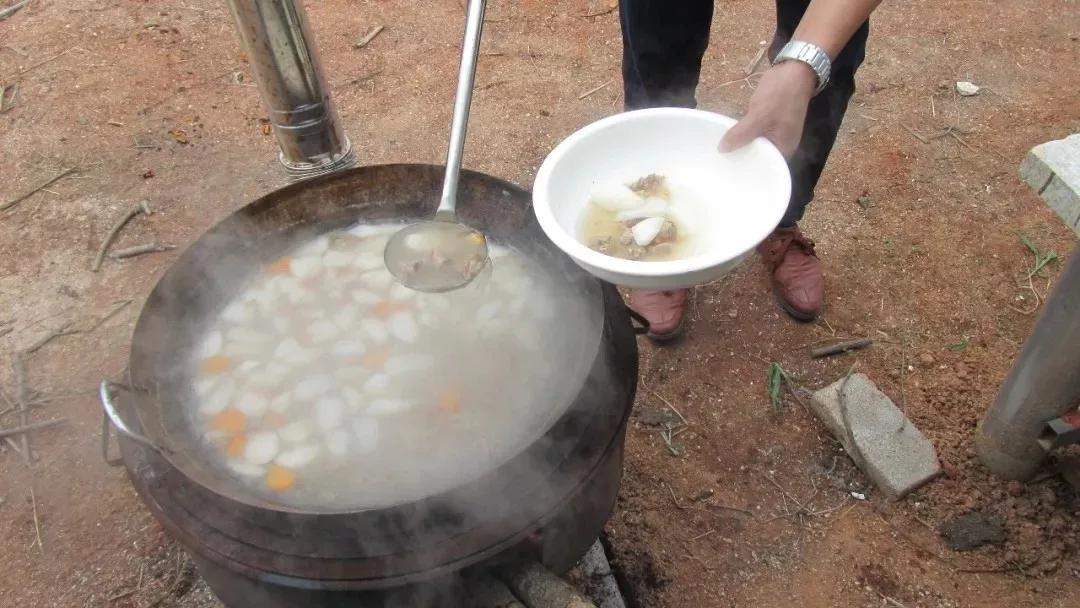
(668, 233)
(651, 185)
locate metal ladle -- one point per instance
(443, 254)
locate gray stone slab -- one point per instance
(892, 452)
(1053, 170)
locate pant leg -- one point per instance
(663, 43)
(826, 110)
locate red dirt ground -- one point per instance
(932, 261)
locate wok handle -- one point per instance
(643, 324)
(112, 418)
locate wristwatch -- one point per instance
(810, 54)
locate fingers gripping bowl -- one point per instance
(727, 203)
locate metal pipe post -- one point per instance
(275, 36)
(1043, 384)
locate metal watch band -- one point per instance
(810, 54)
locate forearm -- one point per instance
(831, 23)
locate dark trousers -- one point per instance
(663, 42)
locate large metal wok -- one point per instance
(570, 475)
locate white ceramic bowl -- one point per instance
(746, 192)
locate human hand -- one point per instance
(777, 109)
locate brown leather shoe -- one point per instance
(663, 310)
(795, 271)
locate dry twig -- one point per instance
(172, 586)
(784, 492)
(35, 190)
(36, 65)
(20, 430)
(37, 524)
(63, 330)
(745, 79)
(673, 498)
(603, 11)
(593, 90)
(753, 65)
(840, 347)
(367, 38)
(18, 373)
(672, 408)
(703, 535)
(137, 250)
(11, 10)
(142, 208)
(729, 508)
(914, 134)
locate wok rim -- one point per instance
(273, 198)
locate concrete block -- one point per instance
(1053, 170)
(892, 452)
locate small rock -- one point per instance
(971, 531)
(1014, 488)
(653, 520)
(704, 494)
(967, 89)
(950, 470)
(653, 416)
(926, 359)
(732, 313)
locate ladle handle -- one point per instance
(470, 49)
(113, 418)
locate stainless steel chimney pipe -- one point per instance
(275, 36)
(1044, 383)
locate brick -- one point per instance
(1053, 170)
(890, 450)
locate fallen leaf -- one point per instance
(7, 97)
(179, 136)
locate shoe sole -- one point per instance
(802, 317)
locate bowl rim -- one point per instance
(569, 243)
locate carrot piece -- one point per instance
(280, 266)
(384, 309)
(450, 401)
(274, 420)
(375, 359)
(279, 478)
(236, 446)
(229, 421)
(216, 364)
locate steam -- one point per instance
(565, 381)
